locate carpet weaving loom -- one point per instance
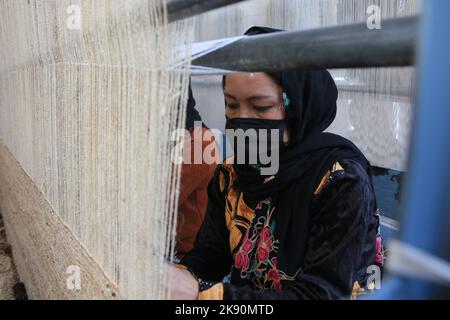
(88, 101)
(90, 92)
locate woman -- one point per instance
(194, 181)
(308, 232)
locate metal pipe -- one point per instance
(347, 46)
(181, 9)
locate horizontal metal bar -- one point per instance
(401, 91)
(347, 46)
(181, 9)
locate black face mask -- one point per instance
(254, 141)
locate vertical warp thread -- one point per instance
(88, 114)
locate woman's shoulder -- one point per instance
(345, 169)
(346, 198)
(349, 170)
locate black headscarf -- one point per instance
(308, 156)
(192, 114)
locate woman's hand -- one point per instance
(181, 284)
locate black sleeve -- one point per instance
(341, 244)
(211, 259)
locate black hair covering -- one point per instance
(192, 114)
(308, 156)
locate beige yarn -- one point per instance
(85, 121)
(8, 276)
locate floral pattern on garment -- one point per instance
(379, 250)
(256, 257)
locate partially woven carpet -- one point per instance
(90, 92)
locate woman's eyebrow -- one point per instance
(257, 97)
(229, 95)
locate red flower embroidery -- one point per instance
(262, 272)
(264, 244)
(275, 262)
(241, 261)
(274, 275)
(379, 258)
(263, 254)
(266, 234)
(247, 245)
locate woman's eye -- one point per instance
(232, 106)
(262, 108)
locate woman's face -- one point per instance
(253, 95)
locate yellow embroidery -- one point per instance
(336, 167)
(230, 206)
(237, 221)
(322, 183)
(238, 215)
(213, 293)
(228, 170)
(221, 181)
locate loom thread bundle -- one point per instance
(87, 109)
